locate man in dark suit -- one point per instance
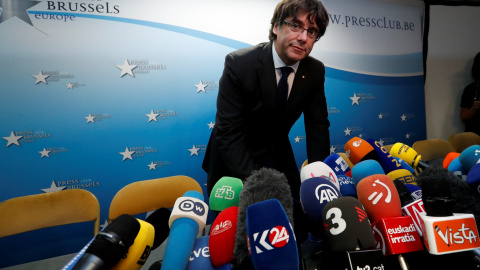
(256, 108)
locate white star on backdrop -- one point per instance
(90, 118)
(297, 139)
(152, 166)
(127, 154)
(53, 188)
(332, 149)
(12, 139)
(347, 131)
(70, 86)
(126, 68)
(355, 99)
(45, 153)
(194, 151)
(404, 118)
(380, 116)
(211, 125)
(381, 142)
(152, 116)
(201, 87)
(407, 136)
(40, 77)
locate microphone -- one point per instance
(138, 253)
(473, 178)
(402, 175)
(225, 193)
(448, 158)
(405, 165)
(222, 236)
(415, 191)
(270, 237)
(315, 193)
(200, 257)
(365, 168)
(358, 149)
(349, 236)
(395, 234)
(408, 154)
(319, 169)
(337, 164)
(188, 218)
(469, 157)
(347, 186)
(108, 246)
(387, 161)
(159, 219)
(410, 207)
(261, 185)
(444, 231)
(457, 169)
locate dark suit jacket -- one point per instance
(251, 131)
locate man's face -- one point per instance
(293, 46)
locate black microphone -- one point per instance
(261, 185)
(159, 219)
(109, 245)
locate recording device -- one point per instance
(448, 158)
(410, 207)
(188, 218)
(225, 193)
(200, 256)
(319, 169)
(337, 164)
(357, 149)
(469, 157)
(386, 160)
(270, 237)
(347, 186)
(222, 236)
(408, 154)
(159, 219)
(365, 168)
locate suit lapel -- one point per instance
(268, 81)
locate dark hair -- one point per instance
(291, 8)
(476, 67)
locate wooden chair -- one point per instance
(149, 195)
(33, 212)
(461, 141)
(433, 149)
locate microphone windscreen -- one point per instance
(403, 192)
(457, 169)
(111, 244)
(222, 236)
(261, 185)
(159, 220)
(315, 193)
(200, 257)
(346, 225)
(473, 178)
(225, 193)
(436, 194)
(387, 161)
(448, 158)
(357, 150)
(364, 169)
(337, 163)
(270, 236)
(405, 165)
(469, 157)
(347, 186)
(319, 169)
(415, 191)
(155, 266)
(406, 153)
(403, 175)
(379, 196)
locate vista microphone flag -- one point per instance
(358, 149)
(444, 231)
(337, 164)
(319, 169)
(138, 253)
(188, 218)
(272, 243)
(225, 193)
(200, 257)
(108, 246)
(469, 157)
(365, 168)
(408, 154)
(222, 236)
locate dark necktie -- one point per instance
(282, 87)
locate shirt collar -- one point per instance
(278, 63)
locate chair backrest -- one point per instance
(433, 148)
(461, 141)
(33, 212)
(149, 195)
